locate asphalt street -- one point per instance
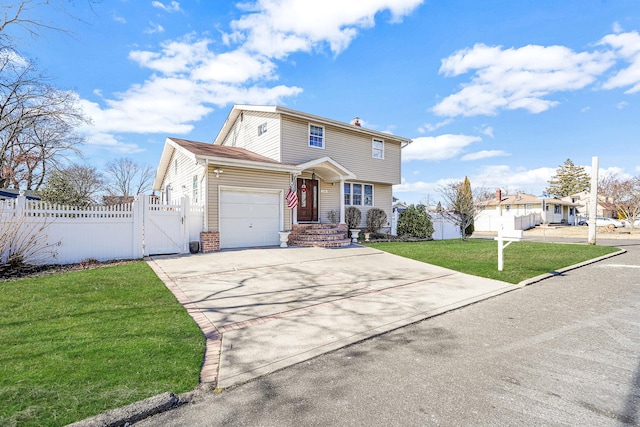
(564, 351)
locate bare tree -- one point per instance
(20, 14)
(37, 124)
(127, 180)
(624, 195)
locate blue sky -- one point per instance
(499, 91)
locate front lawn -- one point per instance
(522, 260)
(77, 344)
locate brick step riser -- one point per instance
(318, 227)
(333, 244)
(322, 237)
(323, 233)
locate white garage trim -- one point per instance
(264, 209)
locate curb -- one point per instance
(571, 267)
(131, 413)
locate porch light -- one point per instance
(313, 174)
(217, 172)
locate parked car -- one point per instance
(604, 222)
(636, 223)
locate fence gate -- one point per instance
(164, 228)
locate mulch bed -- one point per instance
(10, 272)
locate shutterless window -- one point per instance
(316, 136)
(358, 194)
(195, 188)
(356, 199)
(377, 149)
(347, 194)
(262, 128)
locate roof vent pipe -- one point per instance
(356, 121)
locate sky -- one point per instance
(502, 92)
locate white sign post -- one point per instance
(508, 237)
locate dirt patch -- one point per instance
(9, 272)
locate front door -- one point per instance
(307, 199)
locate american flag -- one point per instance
(292, 198)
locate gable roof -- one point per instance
(238, 109)
(203, 149)
(206, 153)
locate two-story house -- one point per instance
(243, 177)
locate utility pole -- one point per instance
(593, 200)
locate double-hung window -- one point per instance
(356, 194)
(316, 136)
(377, 149)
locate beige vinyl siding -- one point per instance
(350, 149)
(329, 201)
(182, 182)
(245, 178)
(244, 134)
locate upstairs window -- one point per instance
(377, 149)
(316, 136)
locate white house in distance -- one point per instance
(582, 200)
(243, 177)
(522, 211)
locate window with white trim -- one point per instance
(356, 194)
(316, 136)
(377, 148)
(195, 188)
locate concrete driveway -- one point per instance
(264, 309)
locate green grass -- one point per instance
(522, 260)
(77, 344)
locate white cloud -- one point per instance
(517, 78)
(189, 77)
(154, 28)
(277, 28)
(430, 127)
(172, 7)
(119, 19)
(173, 104)
(440, 147)
(484, 154)
(622, 105)
(627, 47)
(487, 130)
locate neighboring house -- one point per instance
(581, 199)
(242, 179)
(505, 212)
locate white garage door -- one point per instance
(249, 218)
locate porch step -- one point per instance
(321, 235)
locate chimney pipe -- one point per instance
(499, 195)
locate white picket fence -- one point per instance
(63, 234)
